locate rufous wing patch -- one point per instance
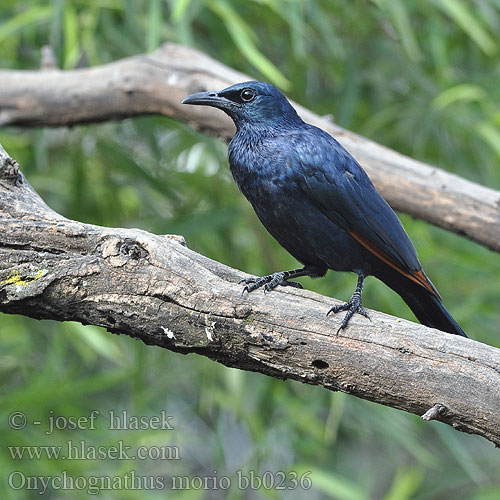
(418, 277)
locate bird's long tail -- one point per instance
(428, 308)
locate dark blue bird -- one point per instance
(318, 203)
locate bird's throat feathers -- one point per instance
(266, 120)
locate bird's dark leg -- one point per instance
(281, 278)
(353, 306)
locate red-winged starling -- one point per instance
(318, 203)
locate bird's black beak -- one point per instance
(209, 99)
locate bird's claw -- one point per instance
(247, 280)
(269, 283)
(283, 282)
(250, 284)
(294, 284)
(352, 307)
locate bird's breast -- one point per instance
(259, 167)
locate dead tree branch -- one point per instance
(157, 82)
(153, 288)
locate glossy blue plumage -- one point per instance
(317, 202)
(309, 191)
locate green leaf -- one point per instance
(155, 19)
(71, 45)
(179, 10)
(24, 19)
(98, 340)
(334, 485)
(242, 35)
(405, 484)
(491, 135)
(401, 20)
(460, 13)
(463, 92)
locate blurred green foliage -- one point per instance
(420, 77)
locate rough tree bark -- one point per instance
(157, 82)
(154, 288)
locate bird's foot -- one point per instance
(269, 282)
(353, 306)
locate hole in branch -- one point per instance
(320, 364)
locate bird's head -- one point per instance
(249, 103)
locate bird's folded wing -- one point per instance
(332, 179)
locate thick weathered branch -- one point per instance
(154, 288)
(157, 82)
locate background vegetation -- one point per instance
(420, 77)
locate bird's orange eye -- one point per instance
(247, 95)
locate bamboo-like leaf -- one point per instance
(464, 92)
(24, 19)
(333, 485)
(155, 19)
(491, 135)
(401, 20)
(241, 35)
(70, 29)
(179, 10)
(461, 14)
(405, 483)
